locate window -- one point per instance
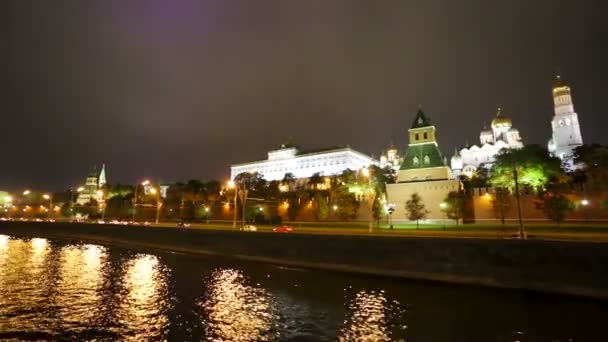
(426, 136)
(417, 137)
(427, 160)
(415, 161)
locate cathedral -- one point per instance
(501, 135)
(565, 125)
(95, 181)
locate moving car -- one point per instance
(282, 229)
(250, 228)
(182, 224)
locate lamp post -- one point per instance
(50, 199)
(585, 204)
(444, 206)
(72, 199)
(245, 192)
(144, 183)
(370, 199)
(232, 185)
(522, 232)
(156, 192)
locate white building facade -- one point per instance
(502, 135)
(288, 159)
(95, 181)
(391, 159)
(565, 125)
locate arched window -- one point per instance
(426, 136)
(415, 161)
(427, 160)
(417, 137)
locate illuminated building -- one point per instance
(94, 182)
(289, 159)
(565, 125)
(391, 158)
(423, 170)
(501, 136)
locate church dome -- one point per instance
(501, 121)
(456, 161)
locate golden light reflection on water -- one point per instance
(3, 242)
(370, 316)
(144, 308)
(79, 283)
(236, 311)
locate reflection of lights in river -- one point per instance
(3, 242)
(39, 245)
(235, 311)
(144, 310)
(370, 317)
(80, 281)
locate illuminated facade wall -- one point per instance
(304, 165)
(565, 125)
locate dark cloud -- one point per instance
(181, 89)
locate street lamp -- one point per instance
(50, 199)
(144, 183)
(444, 206)
(585, 204)
(370, 199)
(156, 192)
(72, 199)
(26, 192)
(103, 205)
(232, 185)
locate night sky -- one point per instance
(173, 90)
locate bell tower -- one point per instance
(565, 125)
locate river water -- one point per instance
(52, 290)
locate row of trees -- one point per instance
(321, 197)
(530, 170)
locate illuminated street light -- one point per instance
(367, 174)
(26, 192)
(146, 182)
(585, 202)
(153, 191)
(50, 199)
(8, 199)
(232, 185)
(443, 206)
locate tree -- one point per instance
(415, 209)
(501, 202)
(455, 205)
(533, 165)
(320, 207)
(557, 207)
(315, 180)
(348, 206)
(593, 160)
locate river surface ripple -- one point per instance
(51, 290)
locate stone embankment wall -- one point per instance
(574, 268)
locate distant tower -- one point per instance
(565, 125)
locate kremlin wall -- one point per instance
(424, 170)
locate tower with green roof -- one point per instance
(423, 159)
(424, 171)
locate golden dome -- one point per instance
(501, 120)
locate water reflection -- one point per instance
(143, 309)
(370, 316)
(80, 283)
(236, 311)
(3, 242)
